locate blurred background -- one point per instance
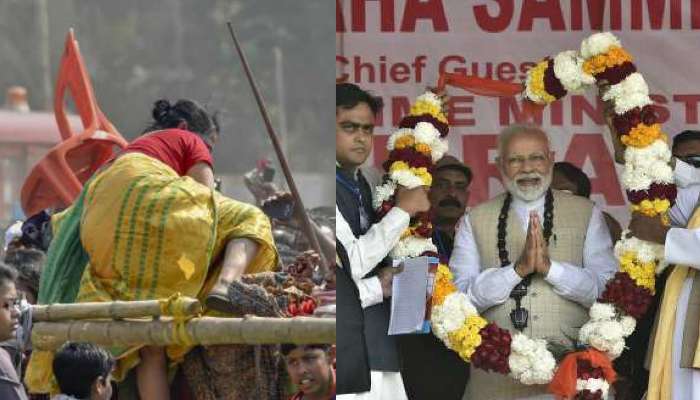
(138, 51)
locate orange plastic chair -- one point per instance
(57, 179)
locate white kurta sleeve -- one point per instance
(487, 288)
(371, 248)
(370, 290)
(584, 284)
(681, 246)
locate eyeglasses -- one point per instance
(517, 162)
(352, 127)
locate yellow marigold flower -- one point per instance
(642, 273)
(405, 141)
(613, 57)
(466, 339)
(424, 175)
(642, 135)
(443, 284)
(537, 81)
(423, 148)
(652, 208)
(421, 107)
(398, 166)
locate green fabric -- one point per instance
(66, 260)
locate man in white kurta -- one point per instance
(562, 288)
(681, 247)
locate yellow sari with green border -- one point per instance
(150, 233)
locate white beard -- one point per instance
(530, 193)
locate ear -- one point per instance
(182, 125)
(332, 354)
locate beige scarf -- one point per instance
(661, 372)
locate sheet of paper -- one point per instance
(408, 297)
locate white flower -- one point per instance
(628, 324)
(606, 336)
(384, 192)
(451, 314)
(598, 43)
(426, 133)
(630, 93)
(430, 97)
(568, 68)
(530, 362)
(644, 166)
(438, 149)
(593, 385)
(405, 177)
(391, 142)
(412, 246)
(601, 311)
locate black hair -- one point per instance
(287, 348)
(29, 264)
(685, 136)
(459, 168)
(348, 95)
(575, 175)
(7, 274)
(77, 366)
(197, 118)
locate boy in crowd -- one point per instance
(83, 371)
(310, 369)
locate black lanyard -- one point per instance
(352, 186)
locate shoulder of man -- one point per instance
(571, 200)
(495, 202)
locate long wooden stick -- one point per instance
(306, 224)
(203, 331)
(110, 310)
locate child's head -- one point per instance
(9, 310)
(83, 370)
(310, 367)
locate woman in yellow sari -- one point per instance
(150, 225)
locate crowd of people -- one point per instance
(532, 259)
(151, 223)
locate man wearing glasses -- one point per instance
(686, 150)
(532, 259)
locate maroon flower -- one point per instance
(385, 207)
(624, 293)
(492, 354)
(410, 121)
(616, 74)
(551, 83)
(655, 191)
(410, 156)
(625, 122)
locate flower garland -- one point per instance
(413, 151)
(648, 179)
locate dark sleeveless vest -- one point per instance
(352, 364)
(382, 348)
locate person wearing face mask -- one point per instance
(672, 356)
(532, 259)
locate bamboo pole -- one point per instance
(111, 310)
(200, 331)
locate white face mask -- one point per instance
(685, 174)
(528, 193)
